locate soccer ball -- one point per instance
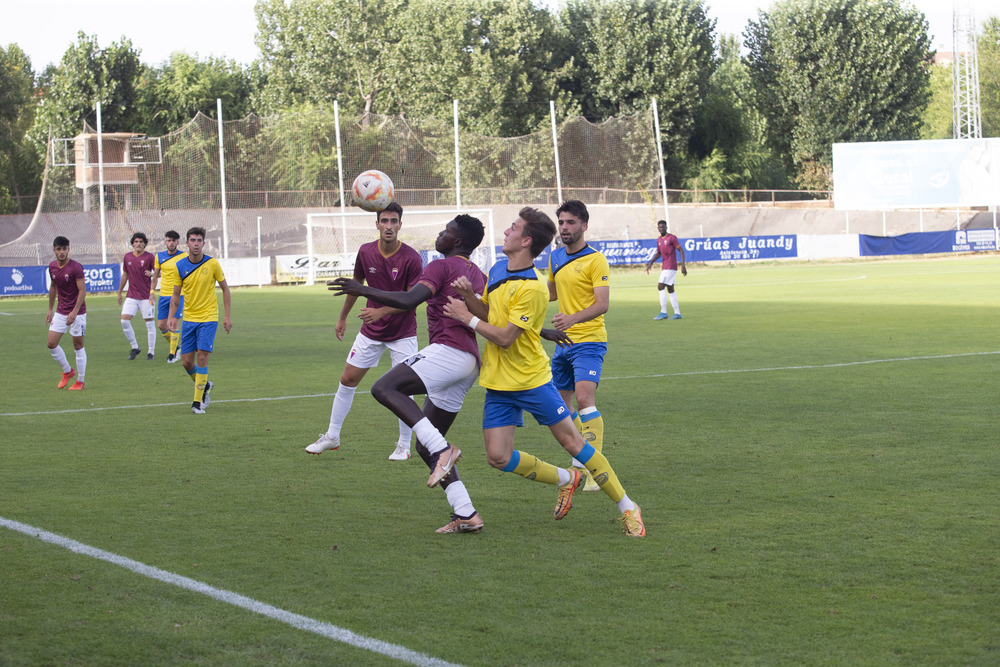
(372, 190)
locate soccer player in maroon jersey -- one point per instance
(667, 247)
(445, 369)
(70, 286)
(137, 271)
(390, 265)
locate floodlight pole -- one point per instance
(260, 281)
(222, 181)
(100, 186)
(340, 180)
(458, 176)
(555, 148)
(659, 155)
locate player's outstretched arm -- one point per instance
(560, 338)
(404, 301)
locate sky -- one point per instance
(44, 29)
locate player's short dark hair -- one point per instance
(197, 231)
(393, 207)
(172, 235)
(661, 222)
(470, 230)
(574, 207)
(60, 242)
(140, 236)
(539, 227)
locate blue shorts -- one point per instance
(577, 363)
(163, 308)
(198, 336)
(505, 408)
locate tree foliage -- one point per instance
(989, 76)
(628, 52)
(838, 70)
(88, 74)
(18, 173)
(172, 94)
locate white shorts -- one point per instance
(447, 373)
(365, 353)
(131, 306)
(76, 330)
(668, 276)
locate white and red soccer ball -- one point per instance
(372, 190)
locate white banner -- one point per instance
(247, 271)
(916, 174)
(295, 268)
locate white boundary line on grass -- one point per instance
(618, 377)
(295, 620)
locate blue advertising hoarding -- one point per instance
(918, 243)
(34, 280)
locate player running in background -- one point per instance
(446, 369)
(137, 272)
(667, 247)
(579, 278)
(389, 265)
(167, 274)
(67, 282)
(198, 274)
(517, 377)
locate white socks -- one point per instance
(430, 436)
(341, 406)
(673, 302)
(81, 364)
(150, 335)
(129, 334)
(60, 357)
(663, 301)
(458, 498)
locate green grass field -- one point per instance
(815, 448)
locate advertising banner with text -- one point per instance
(918, 243)
(34, 280)
(912, 174)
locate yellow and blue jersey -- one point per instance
(575, 277)
(168, 273)
(518, 297)
(198, 288)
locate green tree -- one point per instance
(19, 174)
(88, 74)
(628, 52)
(728, 147)
(989, 76)
(838, 70)
(499, 58)
(319, 51)
(938, 118)
(172, 94)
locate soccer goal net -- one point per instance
(333, 239)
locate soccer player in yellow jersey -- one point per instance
(165, 271)
(516, 374)
(198, 274)
(580, 279)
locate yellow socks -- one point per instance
(531, 467)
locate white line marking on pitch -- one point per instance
(807, 367)
(751, 285)
(295, 620)
(619, 377)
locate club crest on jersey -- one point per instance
(395, 272)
